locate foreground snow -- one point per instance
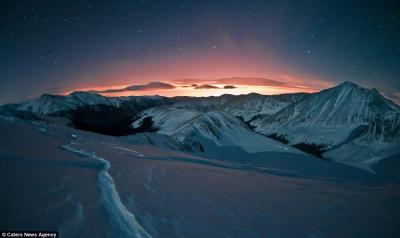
(140, 189)
(124, 222)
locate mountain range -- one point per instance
(346, 123)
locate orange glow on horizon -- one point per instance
(190, 91)
(183, 70)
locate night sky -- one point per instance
(220, 46)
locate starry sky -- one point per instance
(196, 48)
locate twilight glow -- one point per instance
(266, 47)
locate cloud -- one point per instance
(229, 87)
(253, 81)
(205, 86)
(139, 87)
(150, 86)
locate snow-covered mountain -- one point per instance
(327, 117)
(202, 131)
(346, 123)
(86, 111)
(53, 104)
(48, 104)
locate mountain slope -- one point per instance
(255, 105)
(166, 119)
(200, 131)
(374, 142)
(244, 106)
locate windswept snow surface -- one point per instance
(123, 222)
(91, 185)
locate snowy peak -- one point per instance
(85, 96)
(89, 98)
(343, 118)
(48, 104)
(349, 92)
(344, 105)
(372, 94)
(347, 84)
(53, 104)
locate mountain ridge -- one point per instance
(343, 118)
